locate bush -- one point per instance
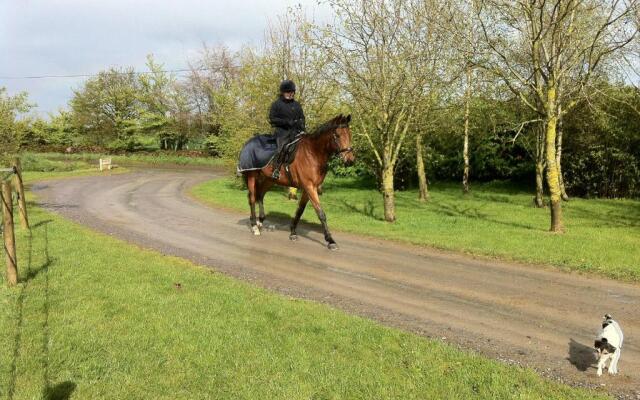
(214, 145)
(131, 144)
(602, 172)
(601, 154)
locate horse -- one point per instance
(306, 172)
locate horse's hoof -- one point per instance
(259, 225)
(332, 246)
(255, 230)
(293, 237)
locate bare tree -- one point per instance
(378, 55)
(547, 52)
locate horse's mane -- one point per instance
(328, 126)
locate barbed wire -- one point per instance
(180, 70)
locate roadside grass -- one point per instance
(36, 167)
(95, 317)
(135, 158)
(495, 220)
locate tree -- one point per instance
(163, 107)
(289, 54)
(11, 128)
(106, 108)
(547, 52)
(466, 31)
(57, 131)
(377, 54)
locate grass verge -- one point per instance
(602, 236)
(95, 317)
(134, 158)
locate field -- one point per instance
(495, 220)
(94, 317)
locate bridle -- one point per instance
(336, 139)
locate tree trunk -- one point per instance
(387, 193)
(465, 147)
(553, 181)
(539, 200)
(563, 191)
(422, 176)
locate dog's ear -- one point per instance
(608, 316)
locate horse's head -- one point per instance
(342, 139)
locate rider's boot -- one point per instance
(276, 170)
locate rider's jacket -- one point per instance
(286, 117)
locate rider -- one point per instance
(287, 118)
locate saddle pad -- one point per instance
(257, 152)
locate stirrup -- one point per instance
(276, 173)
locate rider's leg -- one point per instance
(281, 140)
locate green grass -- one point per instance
(95, 317)
(602, 236)
(135, 158)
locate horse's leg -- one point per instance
(251, 185)
(304, 199)
(262, 189)
(259, 198)
(261, 213)
(315, 200)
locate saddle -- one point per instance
(289, 151)
(288, 155)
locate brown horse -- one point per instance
(307, 172)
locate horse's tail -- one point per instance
(245, 177)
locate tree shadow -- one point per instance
(358, 183)
(368, 209)
(581, 356)
(624, 215)
(497, 198)
(474, 213)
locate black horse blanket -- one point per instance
(257, 152)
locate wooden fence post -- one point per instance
(9, 237)
(22, 202)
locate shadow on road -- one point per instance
(280, 222)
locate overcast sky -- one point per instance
(70, 37)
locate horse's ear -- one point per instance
(347, 119)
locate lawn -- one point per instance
(95, 317)
(495, 220)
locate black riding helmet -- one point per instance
(287, 86)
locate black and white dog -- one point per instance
(609, 344)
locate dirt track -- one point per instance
(518, 314)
